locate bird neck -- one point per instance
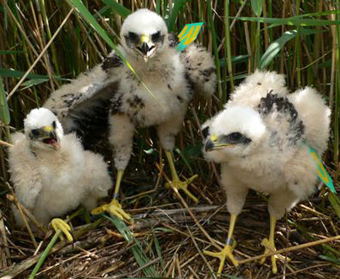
(153, 64)
(44, 153)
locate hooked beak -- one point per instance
(146, 48)
(209, 145)
(214, 143)
(48, 136)
(52, 140)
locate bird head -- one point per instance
(144, 34)
(234, 132)
(43, 129)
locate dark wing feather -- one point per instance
(282, 118)
(82, 106)
(199, 65)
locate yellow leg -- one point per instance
(59, 224)
(117, 185)
(269, 244)
(180, 185)
(227, 251)
(114, 207)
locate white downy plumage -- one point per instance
(261, 139)
(51, 172)
(112, 95)
(168, 75)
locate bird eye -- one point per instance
(35, 132)
(205, 131)
(133, 38)
(156, 37)
(54, 125)
(235, 137)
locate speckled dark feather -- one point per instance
(272, 103)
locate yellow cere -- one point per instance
(213, 138)
(48, 129)
(145, 39)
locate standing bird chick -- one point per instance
(51, 172)
(262, 139)
(156, 94)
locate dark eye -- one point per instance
(34, 133)
(54, 125)
(205, 131)
(156, 37)
(235, 137)
(133, 37)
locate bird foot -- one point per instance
(113, 208)
(269, 247)
(59, 224)
(226, 252)
(183, 185)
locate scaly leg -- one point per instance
(176, 182)
(59, 224)
(227, 251)
(270, 245)
(114, 207)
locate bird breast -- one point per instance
(161, 92)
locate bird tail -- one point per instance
(315, 115)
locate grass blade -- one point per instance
(45, 254)
(276, 46)
(174, 14)
(257, 6)
(215, 49)
(228, 44)
(4, 110)
(88, 17)
(158, 250)
(290, 21)
(137, 249)
(118, 8)
(19, 74)
(335, 202)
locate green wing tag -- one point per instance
(188, 35)
(322, 173)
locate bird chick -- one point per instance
(51, 172)
(156, 94)
(261, 139)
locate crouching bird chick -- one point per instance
(51, 172)
(263, 144)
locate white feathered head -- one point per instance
(43, 129)
(144, 33)
(234, 132)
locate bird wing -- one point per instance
(257, 86)
(82, 106)
(199, 66)
(315, 115)
(23, 170)
(281, 118)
